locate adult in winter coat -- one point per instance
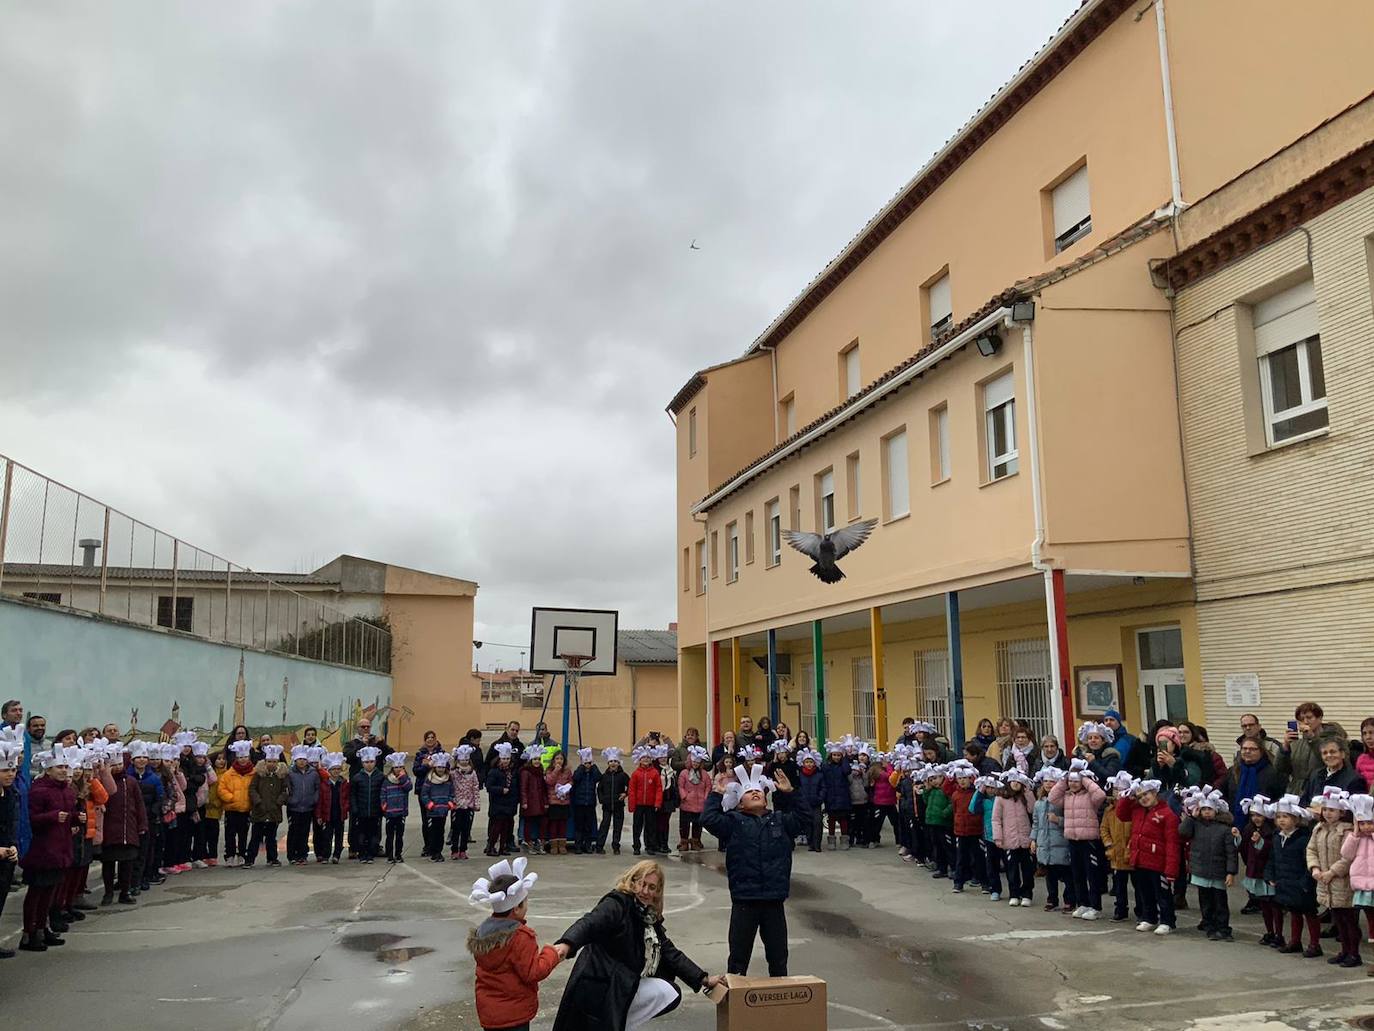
(627, 966)
(1300, 752)
(1049, 754)
(1174, 766)
(1335, 770)
(1253, 774)
(419, 769)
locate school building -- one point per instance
(1099, 372)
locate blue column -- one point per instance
(774, 702)
(956, 670)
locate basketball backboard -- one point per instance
(585, 632)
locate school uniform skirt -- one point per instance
(1259, 887)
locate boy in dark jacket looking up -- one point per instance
(758, 860)
(611, 791)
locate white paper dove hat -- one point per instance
(463, 753)
(660, 751)
(534, 753)
(749, 752)
(183, 738)
(271, 751)
(611, 755)
(396, 760)
(834, 748)
(333, 760)
(1211, 800)
(300, 752)
(1332, 797)
(1096, 728)
(315, 754)
(1144, 787)
(640, 752)
(746, 780)
(812, 754)
(921, 727)
(778, 746)
(1049, 775)
(239, 748)
(562, 790)
(504, 749)
(503, 901)
(1078, 769)
(1362, 807)
(584, 755)
(1015, 776)
(11, 748)
(699, 753)
(1292, 805)
(368, 753)
(1257, 803)
(439, 760)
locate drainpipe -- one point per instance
(1176, 180)
(704, 518)
(777, 429)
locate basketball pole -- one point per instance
(567, 702)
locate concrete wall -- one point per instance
(432, 664)
(81, 670)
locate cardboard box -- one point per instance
(770, 1003)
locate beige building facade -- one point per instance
(989, 370)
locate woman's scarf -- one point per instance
(1021, 756)
(652, 949)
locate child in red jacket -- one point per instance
(646, 794)
(510, 963)
(1154, 854)
(968, 826)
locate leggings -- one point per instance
(68, 888)
(1347, 923)
(37, 903)
(556, 829)
(235, 834)
(533, 825)
(460, 830)
(881, 813)
(838, 816)
(1296, 919)
(1273, 917)
(119, 872)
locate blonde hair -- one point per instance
(630, 880)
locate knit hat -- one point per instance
(368, 753)
(1171, 733)
(271, 751)
(396, 760)
(611, 755)
(510, 898)
(1113, 714)
(745, 782)
(1362, 807)
(584, 755)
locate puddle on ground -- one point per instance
(385, 947)
(401, 955)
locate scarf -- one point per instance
(1021, 756)
(1247, 783)
(652, 949)
(243, 765)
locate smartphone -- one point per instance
(1292, 724)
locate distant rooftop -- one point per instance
(647, 647)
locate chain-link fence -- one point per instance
(60, 547)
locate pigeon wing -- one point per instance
(808, 544)
(851, 537)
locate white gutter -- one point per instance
(777, 429)
(1176, 179)
(1029, 69)
(864, 402)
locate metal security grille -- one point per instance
(865, 711)
(1023, 683)
(932, 688)
(805, 687)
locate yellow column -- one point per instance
(736, 680)
(875, 629)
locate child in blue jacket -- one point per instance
(758, 860)
(811, 790)
(835, 793)
(585, 779)
(436, 802)
(983, 801)
(395, 805)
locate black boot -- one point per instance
(49, 938)
(32, 943)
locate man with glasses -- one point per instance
(1250, 730)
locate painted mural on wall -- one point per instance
(80, 671)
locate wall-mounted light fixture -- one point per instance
(989, 343)
(1023, 311)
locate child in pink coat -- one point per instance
(1011, 832)
(1358, 851)
(1082, 800)
(693, 785)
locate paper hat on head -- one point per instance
(641, 752)
(611, 755)
(503, 901)
(439, 760)
(11, 748)
(396, 759)
(1015, 776)
(1049, 775)
(745, 782)
(463, 754)
(315, 754)
(1362, 808)
(660, 751)
(584, 755)
(834, 748)
(504, 749)
(562, 791)
(139, 749)
(272, 752)
(1078, 769)
(921, 727)
(1292, 805)
(183, 738)
(749, 752)
(1332, 797)
(300, 752)
(1144, 787)
(239, 748)
(809, 753)
(1123, 783)
(1096, 728)
(699, 753)
(200, 748)
(533, 754)
(1257, 804)
(778, 746)
(987, 782)
(368, 753)
(1211, 800)
(57, 757)
(332, 760)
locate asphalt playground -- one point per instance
(361, 947)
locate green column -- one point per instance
(818, 657)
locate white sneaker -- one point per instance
(1077, 914)
(994, 897)
(1014, 902)
(1144, 925)
(1025, 902)
(1164, 929)
(1090, 914)
(198, 865)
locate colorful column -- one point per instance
(956, 670)
(1059, 651)
(818, 658)
(774, 700)
(875, 636)
(713, 693)
(736, 681)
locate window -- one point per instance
(794, 508)
(686, 569)
(715, 554)
(939, 444)
(691, 433)
(825, 501)
(54, 599)
(806, 690)
(999, 406)
(731, 552)
(849, 371)
(774, 516)
(1292, 378)
(183, 612)
(941, 310)
(896, 490)
(749, 537)
(701, 567)
(865, 712)
(853, 489)
(789, 415)
(932, 688)
(1073, 218)
(1023, 683)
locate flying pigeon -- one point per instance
(693, 246)
(829, 548)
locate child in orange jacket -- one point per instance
(510, 962)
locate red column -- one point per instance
(1061, 631)
(715, 693)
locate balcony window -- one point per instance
(999, 408)
(896, 487)
(774, 511)
(1292, 377)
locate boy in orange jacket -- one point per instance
(510, 962)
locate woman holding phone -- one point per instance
(1300, 755)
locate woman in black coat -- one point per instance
(626, 964)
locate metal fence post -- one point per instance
(104, 560)
(5, 516)
(176, 545)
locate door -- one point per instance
(1163, 687)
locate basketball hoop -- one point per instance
(573, 661)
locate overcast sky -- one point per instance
(412, 280)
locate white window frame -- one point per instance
(897, 473)
(941, 420)
(854, 501)
(774, 531)
(853, 379)
(1282, 322)
(703, 577)
(825, 490)
(1071, 207)
(732, 552)
(692, 432)
(940, 306)
(999, 406)
(789, 416)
